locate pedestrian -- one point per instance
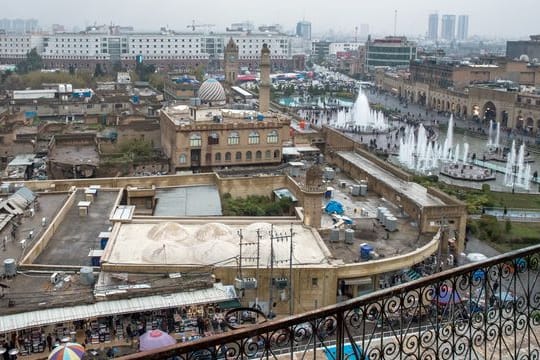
(49, 342)
(200, 325)
(129, 332)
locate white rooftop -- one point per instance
(212, 243)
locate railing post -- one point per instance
(340, 335)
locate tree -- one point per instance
(71, 70)
(98, 72)
(32, 62)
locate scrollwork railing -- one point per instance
(486, 310)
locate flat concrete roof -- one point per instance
(188, 201)
(414, 191)
(75, 155)
(77, 235)
(212, 243)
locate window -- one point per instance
(248, 156)
(253, 138)
(272, 137)
(195, 140)
(267, 154)
(234, 138)
(213, 139)
(227, 156)
(217, 157)
(276, 154)
(258, 155)
(238, 155)
(183, 159)
(314, 282)
(208, 158)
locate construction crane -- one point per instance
(193, 25)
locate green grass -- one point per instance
(520, 236)
(521, 201)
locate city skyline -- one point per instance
(342, 17)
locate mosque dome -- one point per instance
(211, 91)
(167, 231)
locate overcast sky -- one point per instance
(493, 18)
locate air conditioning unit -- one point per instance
(55, 278)
(245, 283)
(280, 283)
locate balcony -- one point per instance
(485, 310)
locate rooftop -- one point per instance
(72, 242)
(414, 191)
(195, 243)
(188, 201)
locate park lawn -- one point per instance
(521, 235)
(519, 201)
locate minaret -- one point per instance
(264, 86)
(230, 62)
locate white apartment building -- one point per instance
(91, 47)
(17, 46)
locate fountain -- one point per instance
(493, 144)
(361, 117)
(517, 173)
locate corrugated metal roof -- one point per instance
(216, 294)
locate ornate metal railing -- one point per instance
(485, 310)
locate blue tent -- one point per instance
(334, 207)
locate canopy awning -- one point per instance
(217, 294)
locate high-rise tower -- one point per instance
(463, 27)
(230, 62)
(433, 27)
(448, 27)
(264, 86)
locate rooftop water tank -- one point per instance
(87, 275)
(349, 236)
(334, 235)
(355, 191)
(10, 267)
(363, 190)
(391, 223)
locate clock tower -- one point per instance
(230, 57)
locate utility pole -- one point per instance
(271, 287)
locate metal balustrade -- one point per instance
(485, 310)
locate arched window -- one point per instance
(217, 157)
(267, 154)
(248, 155)
(238, 155)
(258, 155)
(227, 156)
(276, 154)
(272, 137)
(195, 140)
(254, 138)
(182, 159)
(213, 139)
(234, 138)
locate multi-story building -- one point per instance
(165, 49)
(320, 49)
(391, 51)
(195, 138)
(14, 47)
(531, 48)
(433, 27)
(303, 29)
(463, 27)
(448, 27)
